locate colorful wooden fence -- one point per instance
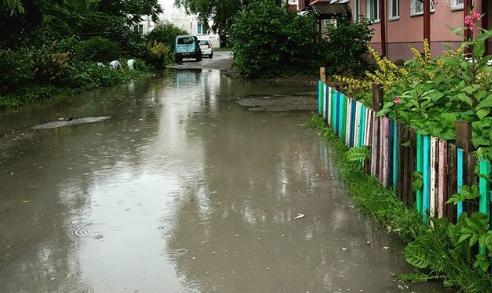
(401, 155)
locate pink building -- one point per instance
(404, 22)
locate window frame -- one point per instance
(390, 10)
(414, 13)
(457, 6)
(357, 10)
(368, 11)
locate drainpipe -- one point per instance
(468, 33)
(485, 22)
(427, 23)
(382, 21)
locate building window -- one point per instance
(292, 2)
(457, 4)
(138, 28)
(357, 10)
(373, 10)
(394, 9)
(417, 7)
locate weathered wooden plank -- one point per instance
(451, 175)
(346, 135)
(412, 160)
(441, 174)
(419, 170)
(353, 109)
(470, 206)
(343, 117)
(367, 132)
(375, 145)
(325, 97)
(401, 161)
(460, 178)
(426, 178)
(362, 125)
(434, 159)
(484, 171)
(329, 105)
(357, 123)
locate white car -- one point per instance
(206, 48)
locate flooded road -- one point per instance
(181, 190)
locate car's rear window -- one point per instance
(203, 42)
(185, 41)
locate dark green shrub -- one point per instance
(345, 48)
(99, 49)
(166, 34)
(16, 69)
(269, 40)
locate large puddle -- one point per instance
(182, 190)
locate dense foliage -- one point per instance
(432, 94)
(166, 34)
(49, 47)
(345, 48)
(269, 40)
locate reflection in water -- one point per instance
(181, 191)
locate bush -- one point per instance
(159, 54)
(166, 34)
(99, 49)
(269, 40)
(345, 49)
(15, 69)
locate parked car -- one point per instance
(206, 47)
(187, 47)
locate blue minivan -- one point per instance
(187, 47)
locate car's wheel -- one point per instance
(211, 56)
(178, 58)
(199, 58)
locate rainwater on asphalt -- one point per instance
(181, 190)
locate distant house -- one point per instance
(402, 21)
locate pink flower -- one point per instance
(475, 16)
(469, 23)
(397, 100)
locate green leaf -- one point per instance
(482, 113)
(417, 256)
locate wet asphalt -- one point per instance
(181, 190)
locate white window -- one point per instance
(417, 6)
(457, 4)
(373, 10)
(394, 9)
(292, 2)
(357, 10)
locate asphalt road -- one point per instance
(222, 60)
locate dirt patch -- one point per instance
(280, 103)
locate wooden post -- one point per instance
(427, 23)
(464, 141)
(322, 74)
(377, 104)
(464, 136)
(377, 97)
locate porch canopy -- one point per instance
(330, 9)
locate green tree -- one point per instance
(222, 13)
